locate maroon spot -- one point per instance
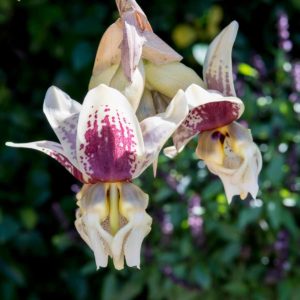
(67, 164)
(216, 135)
(211, 116)
(109, 148)
(219, 80)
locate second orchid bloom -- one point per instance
(225, 146)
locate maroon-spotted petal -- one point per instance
(208, 110)
(54, 150)
(217, 69)
(109, 139)
(62, 113)
(211, 115)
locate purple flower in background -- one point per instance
(259, 65)
(280, 264)
(296, 76)
(167, 225)
(168, 272)
(283, 32)
(195, 219)
(295, 73)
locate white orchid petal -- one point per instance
(217, 69)
(55, 151)
(119, 262)
(181, 137)
(141, 223)
(157, 130)
(129, 238)
(117, 246)
(109, 138)
(160, 102)
(109, 52)
(93, 210)
(94, 231)
(104, 77)
(132, 90)
(170, 152)
(146, 107)
(211, 109)
(208, 110)
(80, 227)
(62, 113)
(154, 164)
(157, 51)
(231, 189)
(133, 197)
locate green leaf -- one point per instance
(248, 216)
(202, 276)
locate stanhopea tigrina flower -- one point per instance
(104, 146)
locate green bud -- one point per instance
(169, 78)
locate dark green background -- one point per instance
(244, 251)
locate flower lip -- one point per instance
(112, 220)
(230, 153)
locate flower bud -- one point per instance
(169, 78)
(104, 77)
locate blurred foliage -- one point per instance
(248, 250)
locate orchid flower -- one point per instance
(216, 104)
(104, 146)
(210, 109)
(134, 60)
(230, 153)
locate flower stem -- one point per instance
(114, 208)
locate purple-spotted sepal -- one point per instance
(207, 110)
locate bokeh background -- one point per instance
(199, 246)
